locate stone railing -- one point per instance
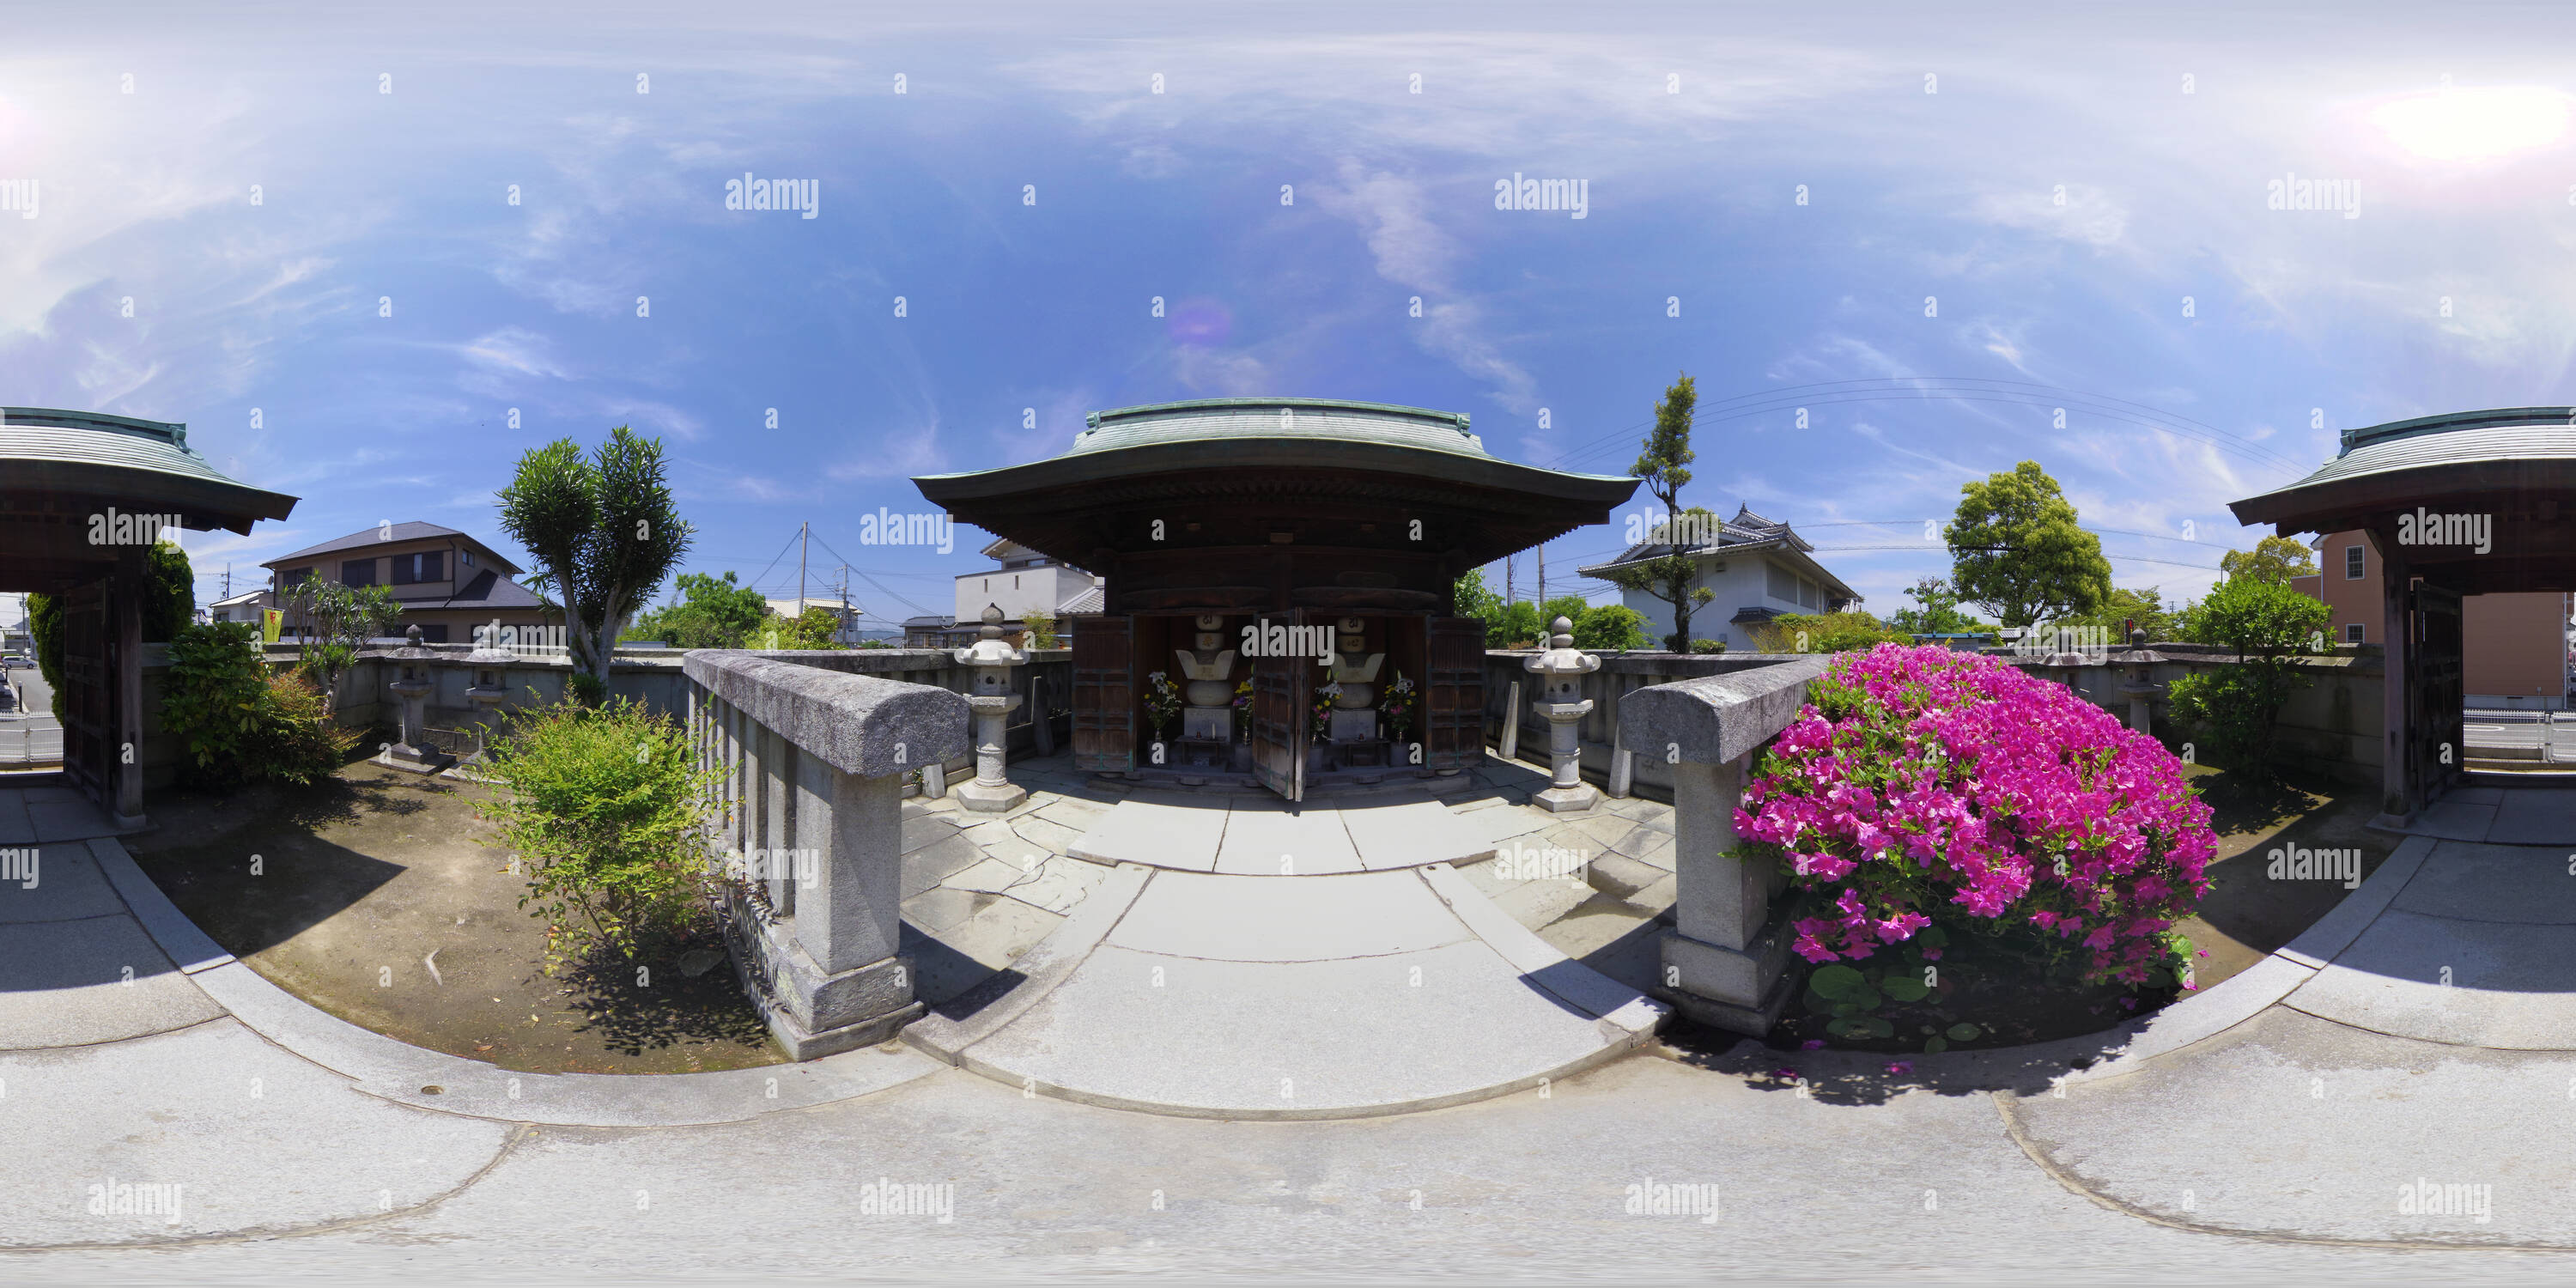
(1516, 731)
(1726, 961)
(655, 678)
(811, 757)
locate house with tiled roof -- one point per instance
(448, 581)
(1757, 568)
(1025, 581)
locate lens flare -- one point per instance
(2475, 124)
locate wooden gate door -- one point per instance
(1280, 711)
(1104, 694)
(1453, 696)
(89, 693)
(2435, 690)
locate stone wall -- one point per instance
(2334, 728)
(1621, 674)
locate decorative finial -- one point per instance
(1561, 632)
(412, 636)
(992, 621)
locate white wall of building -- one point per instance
(1037, 588)
(1739, 581)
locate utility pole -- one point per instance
(803, 532)
(1542, 576)
(1510, 580)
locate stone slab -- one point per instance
(1411, 833)
(1539, 962)
(258, 1142)
(2509, 985)
(170, 928)
(960, 1022)
(2454, 820)
(2535, 816)
(2335, 931)
(1156, 833)
(1276, 842)
(101, 979)
(68, 887)
(2469, 881)
(1292, 1040)
(73, 820)
(1274, 919)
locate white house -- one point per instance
(1026, 582)
(1758, 569)
(244, 607)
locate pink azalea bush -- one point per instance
(1919, 780)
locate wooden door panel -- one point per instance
(1453, 695)
(1279, 716)
(1104, 694)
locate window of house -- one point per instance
(465, 557)
(2352, 633)
(2352, 563)
(426, 565)
(1779, 583)
(433, 634)
(293, 576)
(358, 572)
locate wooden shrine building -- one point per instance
(1244, 541)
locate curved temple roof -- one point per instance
(93, 454)
(2501, 449)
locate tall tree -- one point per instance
(604, 531)
(2015, 550)
(1663, 462)
(2273, 559)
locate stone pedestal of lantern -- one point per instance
(413, 685)
(1207, 716)
(1561, 668)
(990, 700)
(490, 689)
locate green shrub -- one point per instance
(1610, 626)
(45, 622)
(1708, 646)
(2237, 707)
(1041, 629)
(603, 808)
(239, 723)
(1824, 633)
(582, 689)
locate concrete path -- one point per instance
(2235, 1136)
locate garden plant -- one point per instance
(1925, 800)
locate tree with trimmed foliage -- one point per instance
(2016, 551)
(336, 622)
(1663, 464)
(1935, 611)
(2273, 559)
(604, 530)
(2267, 625)
(711, 612)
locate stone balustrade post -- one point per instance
(818, 756)
(1726, 961)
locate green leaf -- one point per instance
(1907, 988)
(1936, 1046)
(1837, 981)
(1932, 937)
(1877, 1027)
(1964, 1032)
(1868, 999)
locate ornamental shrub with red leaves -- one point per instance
(1921, 782)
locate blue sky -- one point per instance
(2073, 177)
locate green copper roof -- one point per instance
(51, 443)
(2503, 434)
(1220, 420)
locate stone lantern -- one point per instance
(491, 685)
(1561, 668)
(990, 698)
(2140, 663)
(413, 684)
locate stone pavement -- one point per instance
(2237, 1135)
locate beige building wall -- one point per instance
(2514, 646)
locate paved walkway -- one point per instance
(2254, 1131)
